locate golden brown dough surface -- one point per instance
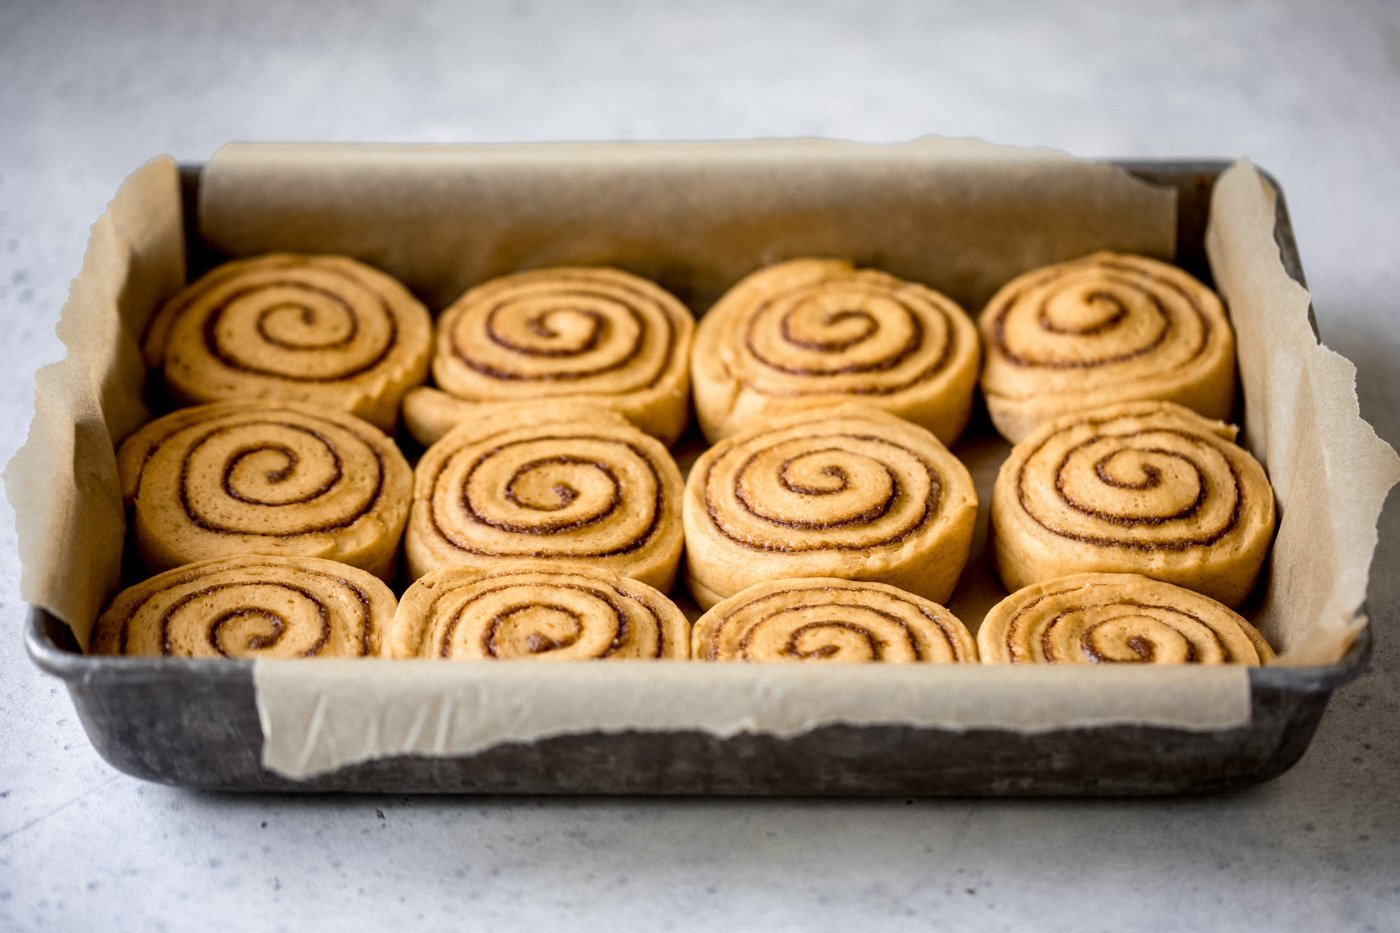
(1106, 328)
(325, 330)
(251, 477)
(826, 619)
(522, 484)
(1146, 487)
(848, 491)
(814, 332)
(1099, 618)
(555, 612)
(247, 607)
(595, 334)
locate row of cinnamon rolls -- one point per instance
(272, 607)
(331, 331)
(847, 491)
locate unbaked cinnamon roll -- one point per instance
(544, 611)
(249, 607)
(827, 619)
(596, 334)
(248, 477)
(522, 485)
(1109, 327)
(1104, 618)
(299, 328)
(848, 491)
(1146, 487)
(815, 332)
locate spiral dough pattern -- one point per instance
(525, 487)
(847, 492)
(249, 607)
(251, 478)
(826, 619)
(1107, 618)
(820, 332)
(320, 329)
(1148, 487)
(600, 334)
(1106, 328)
(543, 611)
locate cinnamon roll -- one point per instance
(596, 334)
(1146, 487)
(820, 332)
(297, 328)
(1107, 618)
(520, 484)
(542, 611)
(249, 607)
(1109, 327)
(827, 619)
(250, 477)
(848, 491)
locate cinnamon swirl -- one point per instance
(826, 619)
(541, 611)
(848, 491)
(820, 332)
(520, 484)
(250, 477)
(1106, 618)
(247, 607)
(1147, 487)
(1109, 327)
(595, 334)
(299, 328)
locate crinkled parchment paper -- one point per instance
(63, 481)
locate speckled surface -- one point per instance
(1310, 91)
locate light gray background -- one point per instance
(1310, 91)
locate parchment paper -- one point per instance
(1328, 468)
(63, 481)
(961, 216)
(454, 708)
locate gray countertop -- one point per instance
(1310, 91)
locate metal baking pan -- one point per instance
(195, 724)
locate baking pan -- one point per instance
(195, 723)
